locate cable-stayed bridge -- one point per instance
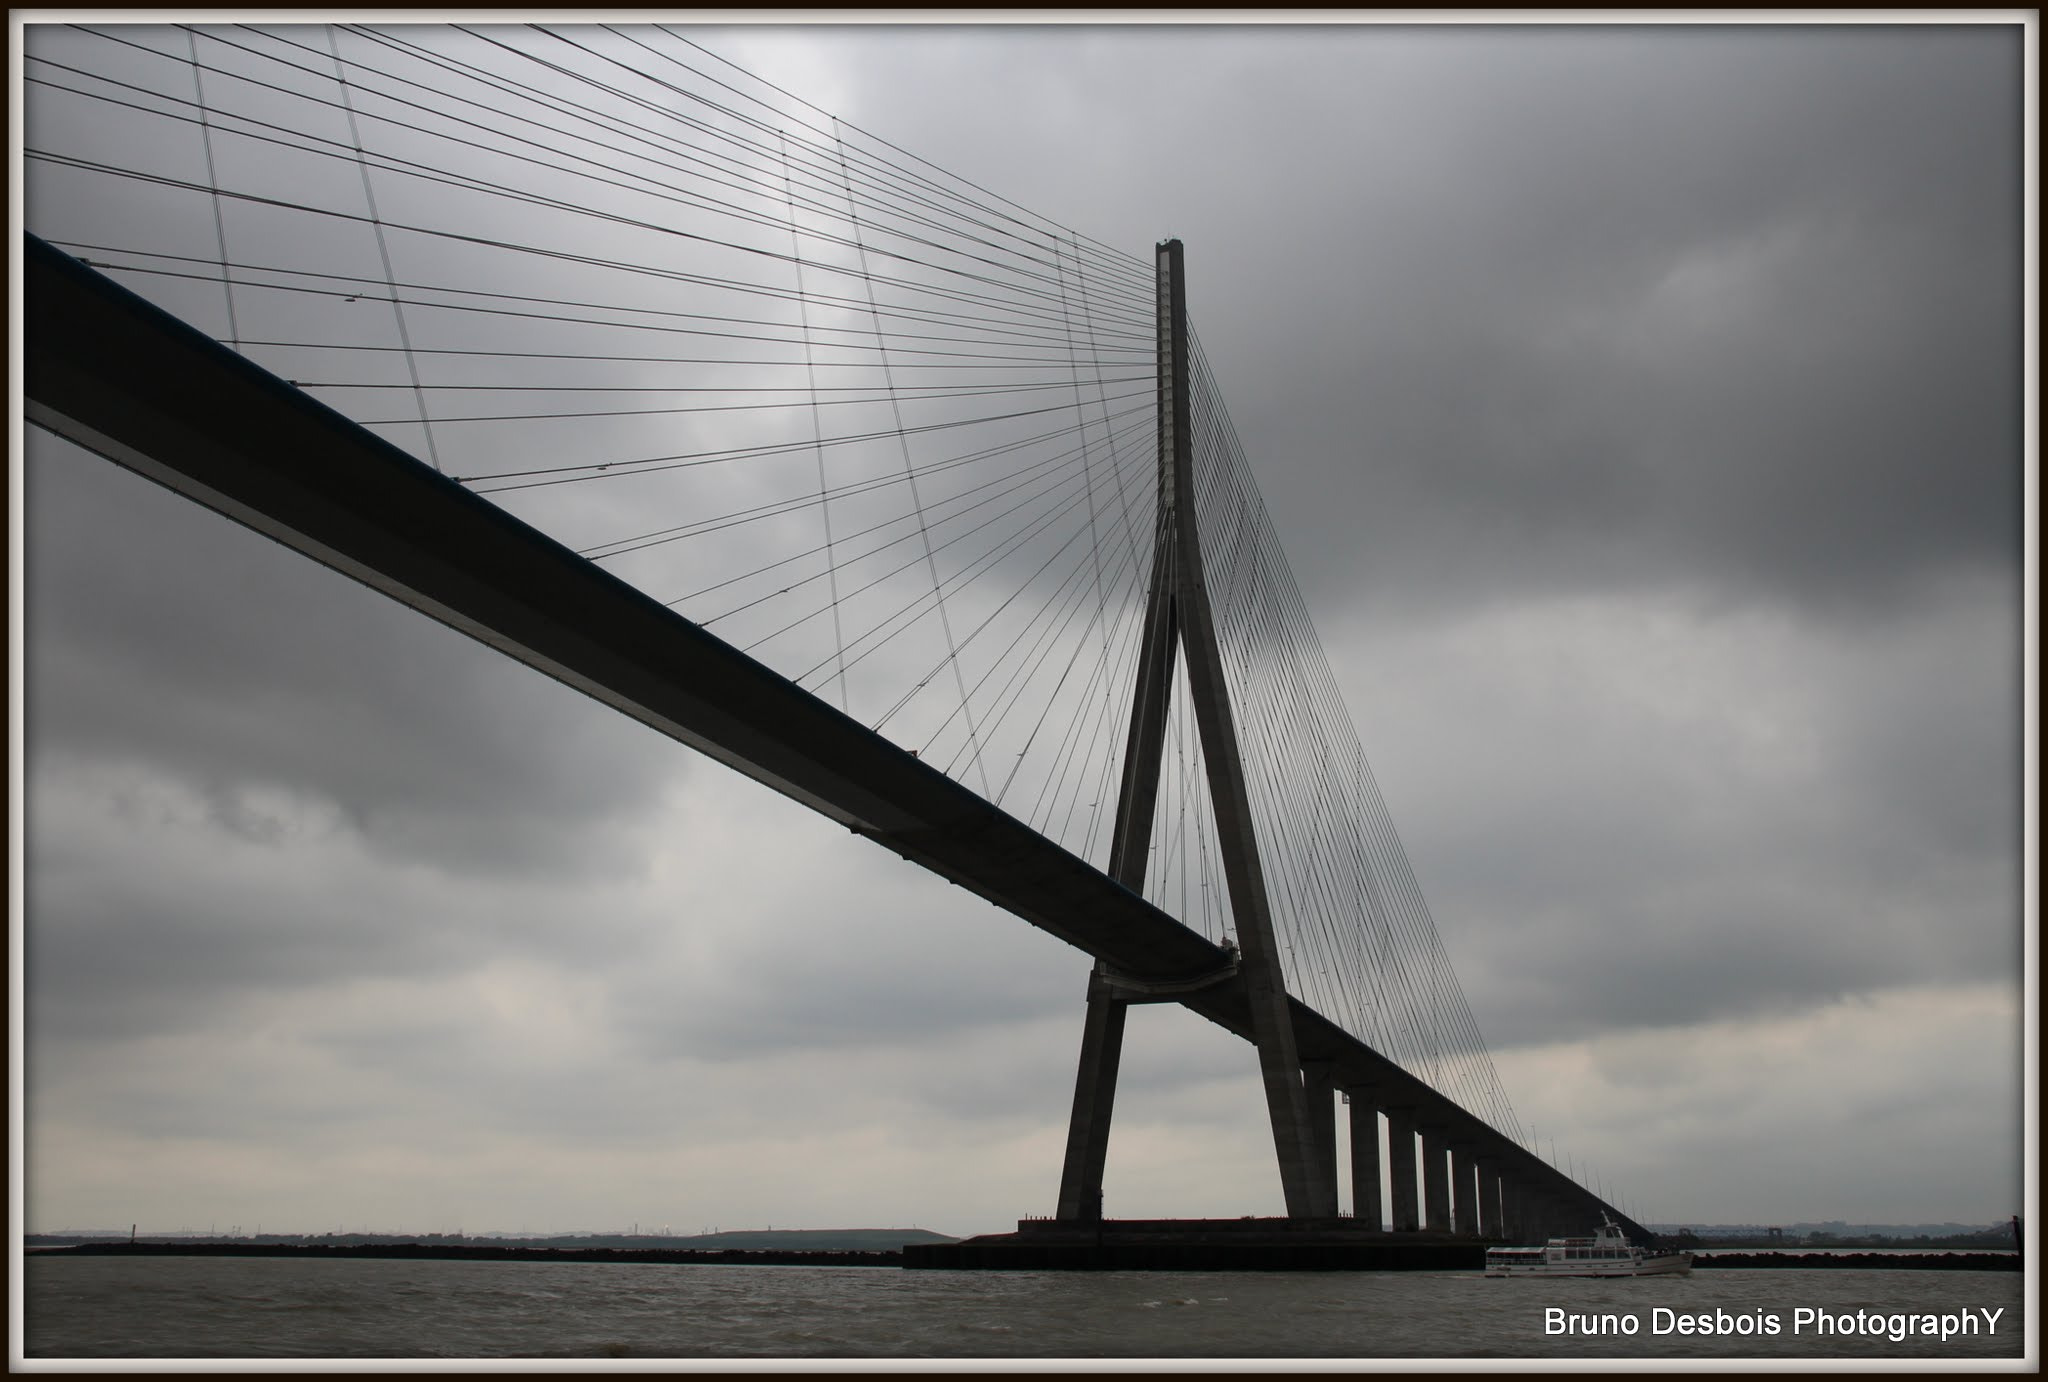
(899, 497)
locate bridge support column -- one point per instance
(1436, 1185)
(1486, 1209)
(1464, 1194)
(1401, 1169)
(1102, 1041)
(1319, 1081)
(1365, 1160)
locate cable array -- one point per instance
(877, 426)
(886, 431)
(1356, 938)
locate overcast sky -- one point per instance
(1640, 409)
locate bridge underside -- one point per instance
(119, 377)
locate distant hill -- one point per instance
(1836, 1227)
(784, 1240)
(1837, 1234)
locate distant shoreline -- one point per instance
(797, 1257)
(475, 1252)
(1949, 1260)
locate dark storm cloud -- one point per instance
(144, 917)
(1736, 311)
(1734, 308)
(1629, 813)
(807, 937)
(1719, 307)
(249, 775)
(144, 611)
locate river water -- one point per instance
(195, 1307)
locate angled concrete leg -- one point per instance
(1102, 1040)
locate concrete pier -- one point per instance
(1319, 1080)
(1436, 1183)
(1365, 1162)
(1401, 1170)
(1486, 1219)
(1464, 1191)
(1218, 1245)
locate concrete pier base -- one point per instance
(1202, 1245)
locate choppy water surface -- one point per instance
(171, 1307)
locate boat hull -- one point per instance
(1675, 1265)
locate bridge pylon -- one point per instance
(1178, 614)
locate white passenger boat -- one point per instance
(1606, 1253)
